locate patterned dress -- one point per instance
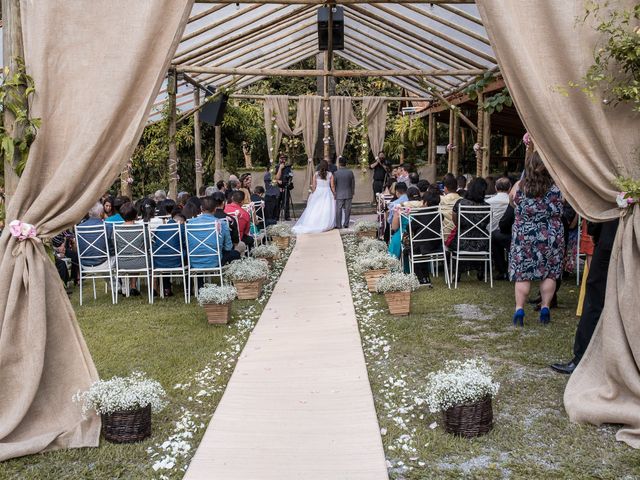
(537, 239)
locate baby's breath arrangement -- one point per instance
(364, 226)
(266, 251)
(376, 261)
(460, 383)
(279, 230)
(122, 393)
(371, 245)
(216, 294)
(247, 270)
(397, 282)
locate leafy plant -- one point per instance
(397, 282)
(497, 102)
(216, 294)
(479, 85)
(15, 91)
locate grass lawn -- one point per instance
(532, 436)
(173, 344)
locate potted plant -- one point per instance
(281, 234)
(397, 288)
(266, 252)
(372, 245)
(216, 300)
(462, 391)
(373, 266)
(125, 405)
(366, 229)
(248, 276)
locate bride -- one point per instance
(320, 214)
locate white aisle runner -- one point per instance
(299, 403)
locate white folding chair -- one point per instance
(425, 227)
(382, 203)
(167, 256)
(204, 256)
(472, 226)
(258, 224)
(94, 259)
(132, 257)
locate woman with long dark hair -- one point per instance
(320, 214)
(537, 239)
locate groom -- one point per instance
(345, 184)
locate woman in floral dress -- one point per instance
(537, 239)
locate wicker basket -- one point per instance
(367, 234)
(372, 277)
(127, 426)
(217, 314)
(282, 242)
(470, 420)
(399, 302)
(248, 290)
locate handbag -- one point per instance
(451, 237)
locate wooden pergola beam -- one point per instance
(337, 2)
(242, 96)
(274, 72)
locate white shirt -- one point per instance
(499, 203)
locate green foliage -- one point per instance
(479, 85)
(630, 186)
(616, 68)
(497, 102)
(15, 91)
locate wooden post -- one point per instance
(328, 67)
(432, 132)
(449, 151)
(217, 175)
(455, 153)
(197, 140)
(125, 186)
(13, 47)
(480, 136)
(173, 153)
(486, 147)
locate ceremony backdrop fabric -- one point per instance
(97, 66)
(342, 117)
(307, 122)
(376, 111)
(585, 144)
(278, 104)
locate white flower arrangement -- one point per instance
(397, 282)
(371, 245)
(247, 270)
(216, 294)
(364, 226)
(460, 383)
(279, 230)
(122, 393)
(377, 261)
(266, 251)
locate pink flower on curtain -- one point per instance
(22, 230)
(624, 201)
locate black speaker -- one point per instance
(323, 28)
(213, 111)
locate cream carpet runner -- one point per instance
(299, 403)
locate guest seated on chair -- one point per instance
(447, 201)
(429, 240)
(244, 219)
(91, 245)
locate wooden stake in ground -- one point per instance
(173, 154)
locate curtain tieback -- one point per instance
(22, 230)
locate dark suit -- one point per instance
(345, 184)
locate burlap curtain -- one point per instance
(540, 46)
(342, 117)
(376, 111)
(278, 105)
(97, 67)
(307, 122)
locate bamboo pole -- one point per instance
(452, 25)
(213, 25)
(455, 157)
(480, 135)
(449, 150)
(217, 175)
(173, 154)
(273, 72)
(338, 2)
(13, 48)
(197, 139)
(486, 147)
(431, 145)
(206, 12)
(125, 186)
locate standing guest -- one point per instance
(538, 237)
(258, 194)
(245, 186)
(462, 185)
(448, 200)
(345, 184)
(284, 177)
(244, 220)
(603, 236)
(380, 174)
(402, 175)
(271, 200)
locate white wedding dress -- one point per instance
(320, 214)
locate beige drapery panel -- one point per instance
(96, 75)
(307, 122)
(376, 111)
(585, 145)
(342, 117)
(278, 105)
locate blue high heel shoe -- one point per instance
(518, 318)
(545, 316)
